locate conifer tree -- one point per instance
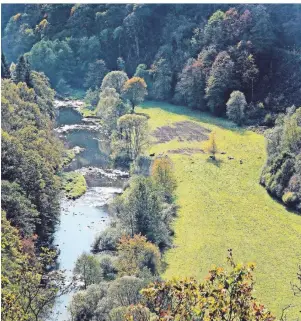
(22, 73)
(5, 73)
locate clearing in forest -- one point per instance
(223, 206)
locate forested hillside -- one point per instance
(31, 157)
(195, 55)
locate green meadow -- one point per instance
(222, 206)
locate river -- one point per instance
(81, 220)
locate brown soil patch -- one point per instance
(183, 131)
(186, 151)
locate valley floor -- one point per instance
(222, 205)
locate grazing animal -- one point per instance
(223, 153)
(230, 157)
(241, 161)
(151, 155)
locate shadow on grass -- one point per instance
(216, 162)
(194, 114)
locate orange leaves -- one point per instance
(135, 81)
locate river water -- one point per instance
(81, 220)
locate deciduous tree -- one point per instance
(136, 254)
(236, 106)
(134, 90)
(133, 133)
(219, 82)
(87, 269)
(162, 172)
(114, 79)
(211, 145)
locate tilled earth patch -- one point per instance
(182, 131)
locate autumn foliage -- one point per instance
(163, 174)
(135, 254)
(223, 295)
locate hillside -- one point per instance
(191, 54)
(223, 206)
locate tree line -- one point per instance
(31, 158)
(195, 54)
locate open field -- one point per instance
(223, 206)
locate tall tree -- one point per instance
(219, 82)
(5, 73)
(236, 106)
(87, 269)
(114, 79)
(190, 88)
(95, 74)
(22, 72)
(134, 90)
(133, 134)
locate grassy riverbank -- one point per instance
(223, 206)
(74, 185)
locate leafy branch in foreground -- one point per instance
(224, 295)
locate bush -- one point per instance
(141, 166)
(289, 198)
(122, 160)
(107, 240)
(107, 264)
(268, 120)
(92, 97)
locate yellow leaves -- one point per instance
(211, 146)
(224, 295)
(163, 174)
(43, 24)
(17, 16)
(73, 9)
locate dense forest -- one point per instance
(195, 55)
(241, 62)
(31, 157)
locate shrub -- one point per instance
(107, 265)
(107, 240)
(92, 97)
(289, 198)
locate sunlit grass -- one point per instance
(223, 206)
(74, 185)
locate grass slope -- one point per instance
(223, 206)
